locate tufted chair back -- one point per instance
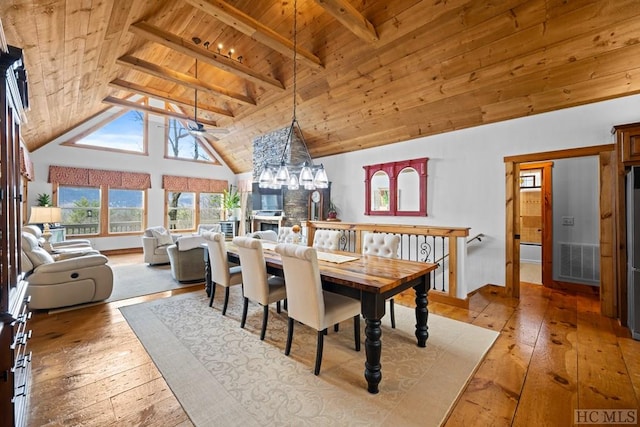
(327, 239)
(381, 244)
(214, 228)
(268, 235)
(283, 232)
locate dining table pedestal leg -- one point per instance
(422, 312)
(373, 349)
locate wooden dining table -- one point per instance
(368, 278)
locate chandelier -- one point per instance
(290, 175)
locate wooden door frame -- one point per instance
(608, 255)
(547, 218)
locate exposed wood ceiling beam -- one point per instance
(350, 18)
(187, 47)
(165, 96)
(154, 110)
(182, 79)
(254, 29)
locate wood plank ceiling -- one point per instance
(370, 72)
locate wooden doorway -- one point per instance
(608, 256)
(536, 204)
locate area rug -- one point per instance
(135, 280)
(224, 375)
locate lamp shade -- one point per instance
(45, 215)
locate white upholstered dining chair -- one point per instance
(221, 272)
(283, 232)
(384, 245)
(326, 239)
(257, 285)
(308, 303)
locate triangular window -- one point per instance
(125, 133)
(183, 145)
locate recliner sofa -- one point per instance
(54, 284)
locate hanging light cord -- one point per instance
(294, 119)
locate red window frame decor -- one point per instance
(393, 169)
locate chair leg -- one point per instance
(265, 318)
(319, 351)
(226, 300)
(245, 308)
(287, 348)
(278, 307)
(336, 327)
(285, 304)
(213, 294)
(392, 312)
(356, 331)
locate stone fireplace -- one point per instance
(268, 148)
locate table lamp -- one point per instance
(45, 215)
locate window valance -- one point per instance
(26, 165)
(95, 177)
(185, 183)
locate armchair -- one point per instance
(187, 259)
(155, 242)
(67, 282)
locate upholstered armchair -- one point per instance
(155, 242)
(67, 282)
(187, 259)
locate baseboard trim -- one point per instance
(124, 251)
(444, 298)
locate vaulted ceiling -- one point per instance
(370, 72)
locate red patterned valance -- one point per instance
(202, 185)
(96, 177)
(26, 165)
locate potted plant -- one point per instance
(43, 199)
(231, 203)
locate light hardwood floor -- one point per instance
(554, 353)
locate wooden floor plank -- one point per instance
(554, 352)
(604, 380)
(549, 395)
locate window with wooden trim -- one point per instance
(190, 201)
(186, 209)
(182, 145)
(124, 132)
(83, 212)
(98, 202)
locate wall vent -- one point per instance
(580, 262)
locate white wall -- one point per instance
(466, 184)
(155, 164)
(576, 207)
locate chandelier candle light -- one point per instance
(284, 174)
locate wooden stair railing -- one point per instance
(440, 245)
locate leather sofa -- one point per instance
(71, 281)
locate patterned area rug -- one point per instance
(224, 375)
(135, 280)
